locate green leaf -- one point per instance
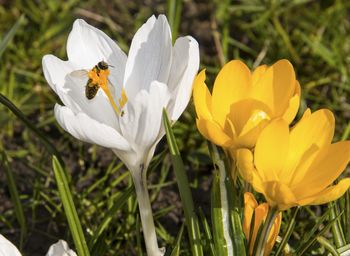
(69, 208)
(228, 233)
(217, 217)
(184, 189)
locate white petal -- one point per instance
(98, 108)
(55, 71)
(7, 248)
(60, 249)
(87, 45)
(183, 70)
(149, 56)
(141, 123)
(83, 128)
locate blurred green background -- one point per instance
(313, 35)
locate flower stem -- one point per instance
(270, 219)
(149, 231)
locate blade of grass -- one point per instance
(289, 231)
(49, 146)
(217, 217)
(207, 233)
(69, 208)
(176, 250)
(184, 189)
(319, 222)
(174, 9)
(305, 246)
(10, 35)
(336, 227)
(345, 250)
(230, 232)
(347, 216)
(118, 203)
(138, 236)
(285, 37)
(329, 246)
(11, 183)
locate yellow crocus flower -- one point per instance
(297, 166)
(243, 103)
(260, 212)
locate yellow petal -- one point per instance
(249, 205)
(327, 166)
(329, 194)
(271, 150)
(247, 169)
(276, 87)
(280, 195)
(231, 85)
(202, 97)
(260, 213)
(213, 132)
(307, 113)
(293, 106)
(247, 113)
(260, 216)
(273, 235)
(310, 134)
(258, 73)
(248, 117)
(249, 137)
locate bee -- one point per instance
(97, 75)
(98, 78)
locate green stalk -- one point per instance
(192, 222)
(69, 208)
(262, 239)
(149, 231)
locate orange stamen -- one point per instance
(101, 79)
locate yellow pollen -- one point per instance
(123, 99)
(101, 79)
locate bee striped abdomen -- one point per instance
(97, 78)
(91, 89)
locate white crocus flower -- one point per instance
(125, 115)
(7, 248)
(58, 249)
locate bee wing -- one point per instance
(82, 73)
